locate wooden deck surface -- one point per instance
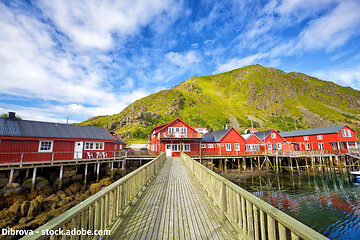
(174, 206)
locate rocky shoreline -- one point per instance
(24, 209)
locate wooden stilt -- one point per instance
(238, 163)
(244, 163)
(33, 179)
(251, 165)
(27, 172)
(112, 169)
(61, 176)
(225, 169)
(291, 166)
(98, 172)
(11, 175)
(85, 174)
(297, 165)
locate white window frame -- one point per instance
(279, 146)
(46, 141)
(94, 146)
(321, 146)
(306, 138)
(269, 146)
(343, 132)
(210, 145)
(185, 148)
(203, 145)
(319, 137)
(237, 147)
(175, 147)
(252, 147)
(228, 147)
(307, 146)
(273, 135)
(348, 132)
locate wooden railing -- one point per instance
(251, 217)
(102, 210)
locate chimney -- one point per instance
(12, 115)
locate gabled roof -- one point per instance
(249, 135)
(26, 128)
(263, 134)
(118, 140)
(313, 131)
(169, 123)
(215, 136)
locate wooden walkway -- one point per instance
(174, 206)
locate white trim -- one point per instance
(273, 135)
(183, 148)
(319, 137)
(46, 141)
(94, 146)
(307, 146)
(269, 146)
(348, 132)
(321, 146)
(210, 145)
(306, 138)
(279, 146)
(237, 146)
(228, 147)
(203, 145)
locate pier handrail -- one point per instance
(102, 210)
(252, 217)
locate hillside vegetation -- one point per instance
(271, 98)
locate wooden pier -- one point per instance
(177, 198)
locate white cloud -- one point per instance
(195, 45)
(238, 63)
(334, 29)
(183, 59)
(342, 76)
(93, 23)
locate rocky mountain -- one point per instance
(270, 97)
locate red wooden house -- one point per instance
(24, 141)
(174, 137)
(253, 144)
(339, 137)
(223, 142)
(273, 141)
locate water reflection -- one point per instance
(328, 203)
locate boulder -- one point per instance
(34, 208)
(11, 188)
(69, 192)
(41, 185)
(50, 200)
(3, 181)
(69, 173)
(27, 183)
(76, 178)
(75, 187)
(24, 208)
(94, 188)
(15, 208)
(40, 199)
(47, 190)
(62, 195)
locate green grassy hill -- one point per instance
(271, 98)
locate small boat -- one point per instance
(356, 174)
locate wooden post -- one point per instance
(244, 163)
(225, 169)
(200, 151)
(61, 175)
(259, 163)
(98, 172)
(291, 166)
(27, 172)
(85, 174)
(251, 165)
(238, 163)
(297, 165)
(33, 178)
(222, 200)
(11, 175)
(112, 169)
(277, 163)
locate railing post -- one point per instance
(222, 200)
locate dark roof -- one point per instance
(313, 131)
(118, 140)
(215, 136)
(263, 134)
(26, 128)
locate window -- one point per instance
(269, 146)
(279, 146)
(273, 135)
(203, 145)
(252, 147)
(307, 146)
(45, 146)
(319, 137)
(175, 148)
(343, 132)
(186, 147)
(210, 145)
(348, 132)
(321, 146)
(237, 146)
(94, 146)
(228, 146)
(306, 138)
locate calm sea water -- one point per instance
(329, 203)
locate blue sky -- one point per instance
(80, 59)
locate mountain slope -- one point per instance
(271, 98)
